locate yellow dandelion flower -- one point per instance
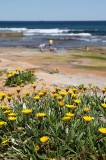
(103, 105)
(2, 95)
(11, 118)
(2, 123)
(9, 94)
(19, 128)
(102, 130)
(87, 118)
(14, 72)
(12, 114)
(57, 89)
(71, 106)
(78, 101)
(41, 94)
(37, 98)
(41, 114)
(61, 103)
(9, 75)
(69, 114)
(74, 89)
(67, 89)
(9, 98)
(70, 92)
(5, 107)
(63, 93)
(37, 148)
(66, 118)
(86, 109)
(55, 95)
(4, 142)
(27, 93)
(7, 112)
(26, 111)
(73, 95)
(104, 90)
(52, 158)
(44, 139)
(59, 97)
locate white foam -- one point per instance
(53, 32)
(72, 34)
(45, 31)
(13, 29)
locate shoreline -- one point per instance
(68, 62)
(45, 63)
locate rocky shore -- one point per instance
(11, 34)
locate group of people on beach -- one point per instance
(49, 46)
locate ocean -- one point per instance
(65, 34)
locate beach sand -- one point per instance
(72, 69)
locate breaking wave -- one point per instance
(52, 32)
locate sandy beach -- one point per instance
(71, 67)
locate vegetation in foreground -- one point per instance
(65, 124)
(19, 77)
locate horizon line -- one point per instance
(51, 20)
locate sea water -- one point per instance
(65, 34)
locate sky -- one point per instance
(37, 10)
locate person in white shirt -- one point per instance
(42, 46)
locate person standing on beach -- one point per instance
(51, 44)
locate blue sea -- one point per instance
(65, 34)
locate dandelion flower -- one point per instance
(63, 93)
(78, 101)
(12, 114)
(61, 103)
(86, 109)
(5, 107)
(69, 114)
(41, 114)
(26, 111)
(103, 105)
(59, 98)
(55, 95)
(87, 118)
(7, 112)
(9, 98)
(37, 148)
(2, 123)
(44, 139)
(27, 93)
(2, 95)
(12, 118)
(71, 106)
(41, 94)
(37, 98)
(74, 95)
(102, 130)
(66, 118)
(5, 141)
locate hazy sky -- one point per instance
(52, 10)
